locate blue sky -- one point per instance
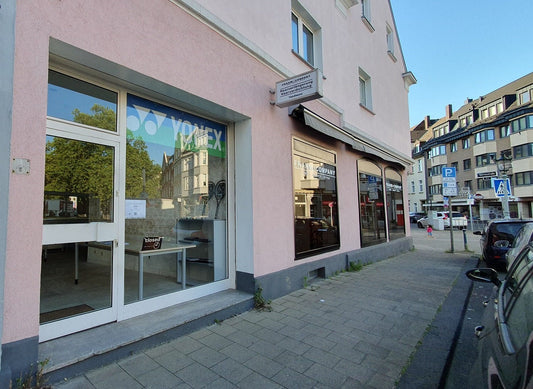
(459, 49)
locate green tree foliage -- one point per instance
(101, 117)
(76, 167)
(84, 168)
(141, 170)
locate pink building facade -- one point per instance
(148, 164)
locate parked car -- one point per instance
(505, 352)
(414, 216)
(496, 239)
(459, 220)
(524, 236)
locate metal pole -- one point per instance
(464, 239)
(470, 209)
(451, 226)
(506, 213)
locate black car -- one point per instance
(496, 239)
(505, 348)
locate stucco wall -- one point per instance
(160, 40)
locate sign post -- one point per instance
(449, 188)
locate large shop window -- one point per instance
(395, 210)
(176, 175)
(316, 223)
(372, 212)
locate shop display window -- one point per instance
(371, 202)
(316, 223)
(395, 208)
(176, 174)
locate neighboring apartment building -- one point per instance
(487, 139)
(416, 178)
(149, 165)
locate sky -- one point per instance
(459, 49)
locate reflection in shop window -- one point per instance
(395, 209)
(316, 224)
(76, 278)
(78, 184)
(371, 201)
(176, 174)
(78, 101)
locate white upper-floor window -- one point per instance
(365, 90)
(525, 95)
(302, 39)
(466, 120)
(306, 35)
(390, 43)
(365, 5)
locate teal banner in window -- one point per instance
(174, 129)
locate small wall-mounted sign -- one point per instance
(486, 174)
(300, 88)
(20, 166)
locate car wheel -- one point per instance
(419, 225)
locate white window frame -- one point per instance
(524, 93)
(390, 42)
(305, 20)
(365, 90)
(366, 14)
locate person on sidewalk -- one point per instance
(429, 229)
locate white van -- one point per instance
(436, 218)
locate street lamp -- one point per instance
(504, 164)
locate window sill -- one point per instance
(303, 59)
(392, 56)
(367, 109)
(367, 23)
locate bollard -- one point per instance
(464, 239)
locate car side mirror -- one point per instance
(484, 275)
(501, 243)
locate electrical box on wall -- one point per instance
(20, 166)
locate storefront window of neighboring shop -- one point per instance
(371, 202)
(316, 223)
(176, 173)
(395, 209)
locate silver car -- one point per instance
(524, 236)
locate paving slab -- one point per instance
(364, 329)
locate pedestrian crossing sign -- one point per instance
(500, 187)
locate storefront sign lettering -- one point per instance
(174, 129)
(317, 171)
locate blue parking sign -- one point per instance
(448, 172)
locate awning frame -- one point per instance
(357, 142)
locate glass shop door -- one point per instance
(80, 232)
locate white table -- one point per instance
(181, 249)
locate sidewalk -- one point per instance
(352, 330)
